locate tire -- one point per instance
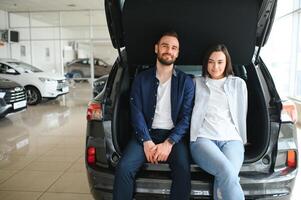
(2, 116)
(33, 95)
(77, 74)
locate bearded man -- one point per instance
(161, 103)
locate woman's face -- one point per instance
(216, 65)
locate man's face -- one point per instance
(167, 50)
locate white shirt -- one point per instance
(162, 117)
(218, 123)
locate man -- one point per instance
(161, 103)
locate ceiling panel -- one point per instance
(50, 5)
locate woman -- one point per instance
(218, 124)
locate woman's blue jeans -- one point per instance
(222, 159)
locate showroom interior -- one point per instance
(42, 147)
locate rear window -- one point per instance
(193, 70)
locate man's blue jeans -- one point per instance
(133, 158)
(222, 159)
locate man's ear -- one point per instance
(156, 48)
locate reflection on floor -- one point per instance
(42, 150)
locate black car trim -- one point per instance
(275, 101)
(265, 21)
(113, 15)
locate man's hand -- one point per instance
(163, 151)
(149, 150)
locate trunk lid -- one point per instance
(241, 25)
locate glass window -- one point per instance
(277, 54)
(21, 51)
(47, 55)
(98, 18)
(75, 33)
(23, 33)
(298, 63)
(284, 7)
(45, 19)
(105, 52)
(75, 18)
(19, 19)
(282, 54)
(45, 33)
(51, 39)
(100, 32)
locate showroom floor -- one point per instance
(42, 151)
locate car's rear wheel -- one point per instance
(33, 95)
(2, 116)
(77, 75)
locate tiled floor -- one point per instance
(42, 151)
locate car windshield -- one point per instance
(24, 67)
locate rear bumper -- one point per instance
(275, 186)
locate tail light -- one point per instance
(91, 155)
(94, 111)
(291, 159)
(289, 109)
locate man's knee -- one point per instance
(181, 163)
(125, 169)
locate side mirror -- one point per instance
(11, 71)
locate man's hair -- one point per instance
(219, 47)
(168, 33)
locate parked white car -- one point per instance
(38, 84)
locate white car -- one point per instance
(38, 84)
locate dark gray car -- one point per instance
(12, 97)
(270, 164)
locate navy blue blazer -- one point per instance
(143, 99)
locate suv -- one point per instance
(12, 97)
(80, 68)
(270, 164)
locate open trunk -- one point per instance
(257, 119)
(135, 25)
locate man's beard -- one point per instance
(165, 61)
